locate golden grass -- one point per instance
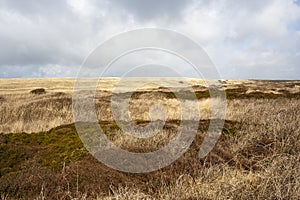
(257, 156)
(22, 111)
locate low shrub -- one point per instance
(38, 91)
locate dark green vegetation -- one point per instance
(51, 149)
(56, 159)
(62, 146)
(235, 91)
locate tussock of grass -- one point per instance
(38, 91)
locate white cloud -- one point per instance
(241, 37)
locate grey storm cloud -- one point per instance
(146, 10)
(245, 39)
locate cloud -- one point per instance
(248, 37)
(245, 39)
(33, 71)
(145, 10)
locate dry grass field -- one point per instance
(256, 157)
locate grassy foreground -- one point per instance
(256, 157)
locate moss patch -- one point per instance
(52, 149)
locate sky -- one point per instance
(244, 39)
